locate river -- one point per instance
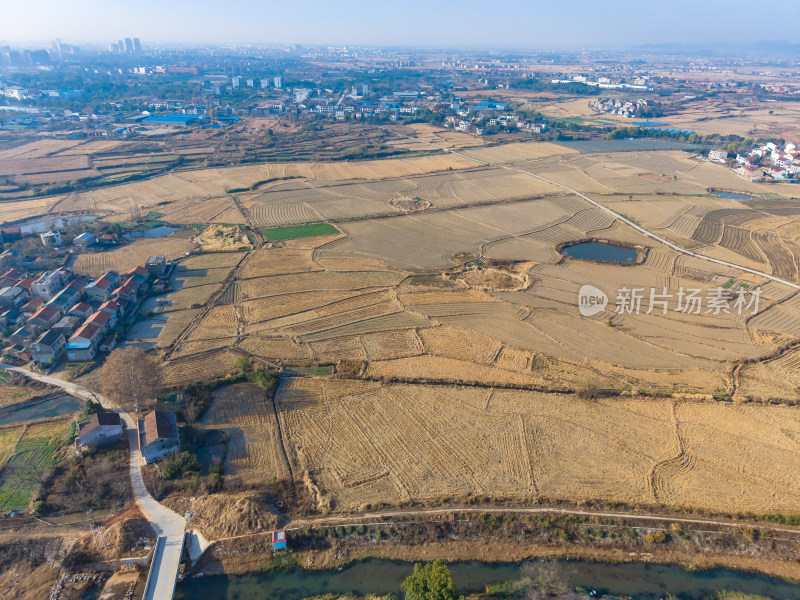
(642, 581)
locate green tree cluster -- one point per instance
(431, 581)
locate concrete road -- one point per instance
(164, 521)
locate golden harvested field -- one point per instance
(397, 304)
(135, 254)
(296, 202)
(191, 369)
(39, 148)
(24, 166)
(245, 413)
(367, 443)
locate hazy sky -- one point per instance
(466, 23)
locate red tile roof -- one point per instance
(87, 331)
(100, 316)
(81, 307)
(159, 424)
(46, 313)
(27, 282)
(33, 304)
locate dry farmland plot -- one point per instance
(275, 261)
(132, 255)
(37, 149)
(421, 443)
(317, 200)
(190, 370)
(245, 413)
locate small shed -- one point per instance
(279, 540)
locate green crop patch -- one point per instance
(277, 234)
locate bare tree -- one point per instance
(131, 377)
(544, 579)
(191, 412)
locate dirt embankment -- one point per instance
(513, 539)
(227, 515)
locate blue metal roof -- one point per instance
(183, 119)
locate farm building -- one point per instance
(103, 428)
(158, 435)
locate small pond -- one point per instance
(155, 232)
(600, 252)
(377, 576)
(731, 195)
(51, 407)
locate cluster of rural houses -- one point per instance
(769, 162)
(619, 107)
(54, 314)
(158, 433)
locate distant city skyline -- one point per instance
(465, 24)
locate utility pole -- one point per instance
(98, 535)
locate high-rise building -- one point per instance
(278, 81)
(236, 81)
(128, 45)
(250, 82)
(120, 47)
(137, 45)
(264, 84)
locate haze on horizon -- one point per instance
(463, 24)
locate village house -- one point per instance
(67, 325)
(31, 306)
(49, 347)
(84, 240)
(23, 336)
(102, 286)
(50, 283)
(112, 307)
(13, 297)
(156, 265)
(44, 318)
(101, 429)
(108, 344)
(11, 259)
(67, 297)
(82, 310)
(130, 290)
(158, 435)
(104, 320)
(82, 345)
(11, 318)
